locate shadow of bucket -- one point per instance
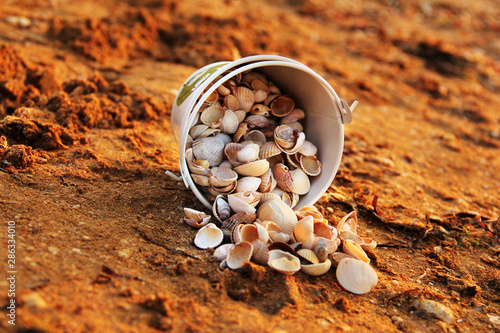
(325, 112)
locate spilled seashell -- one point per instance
(236, 219)
(338, 256)
(317, 269)
(304, 232)
(275, 232)
(356, 276)
(195, 218)
(282, 106)
(368, 244)
(349, 235)
(249, 233)
(349, 222)
(278, 212)
(355, 250)
(239, 254)
(209, 236)
(210, 149)
(308, 255)
(222, 251)
(260, 252)
(283, 262)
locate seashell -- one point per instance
(260, 252)
(309, 211)
(241, 115)
(195, 168)
(225, 138)
(259, 96)
(253, 169)
(241, 132)
(258, 121)
(212, 98)
(281, 246)
(267, 180)
(239, 254)
(275, 232)
(283, 177)
(269, 149)
(368, 244)
(438, 310)
(226, 164)
(208, 237)
(196, 130)
(356, 276)
(245, 98)
(300, 182)
(278, 212)
(285, 197)
(294, 116)
(320, 248)
(273, 89)
(220, 177)
(349, 222)
(239, 205)
(195, 218)
(317, 269)
(288, 139)
(268, 196)
(256, 136)
(304, 232)
(259, 85)
(275, 160)
(308, 149)
(236, 219)
(212, 116)
(355, 250)
(282, 106)
(295, 200)
(248, 184)
(223, 90)
(231, 102)
(323, 230)
(221, 208)
(249, 233)
(308, 255)
(250, 197)
(200, 179)
(215, 191)
(231, 150)
(189, 142)
(349, 235)
(283, 262)
(338, 256)
(211, 149)
(270, 97)
(293, 160)
(261, 109)
(296, 126)
(222, 251)
(310, 165)
(253, 75)
(209, 132)
(248, 153)
(229, 123)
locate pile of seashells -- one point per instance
(247, 151)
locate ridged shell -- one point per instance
(195, 168)
(229, 123)
(221, 209)
(294, 116)
(208, 237)
(215, 191)
(239, 254)
(241, 115)
(245, 98)
(355, 250)
(278, 212)
(200, 179)
(250, 197)
(304, 232)
(249, 233)
(212, 116)
(317, 269)
(269, 196)
(248, 184)
(260, 252)
(275, 232)
(253, 75)
(253, 169)
(210, 149)
(269, 149)
(238, 205)
(261, 109)
(310, 165)
(292, 160)
(258, 121)
(283, 262)
(338, 256)
(196, 130)
(300, 182)
(267, 182)
(308, 149)
(275, 160)
(309, 255)
(231, 102)
(356, 276)
(209, 132)
(282, 106)
(225, 138)
(220, 177)
(241, 132)
(222, 251)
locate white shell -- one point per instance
(229, 123)
(210, 149)
(222, 251)
(210, 236)
(248, 184)
(239, 254)
(220, 177)
(278, 212)
(212, 116)
(355, 250)
(300, 184)
(253, 169)
(304, 232)
(317, 269)
(245, 98)
(238, 205)
(224, 137)
(356, 276)
(283, 262)
(260, 252)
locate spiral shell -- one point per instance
(221, 208)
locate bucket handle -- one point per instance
(346, 111)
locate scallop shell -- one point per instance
(253, 75)
(241, 115)
(338, 256)
(195, 218)
(215, 191)
(253, 169)
(282, 106)
(275, 160)
(239, 254)
(210, 236)
(317, 269)
(293, 160)
(209, 132)
(355, 250)
(308, 149)
(304, 232)
(309, 255)
(222, 251)
(279, 213)
(260, 252)
(212, 116)
(294, 116)
(310, 165)
(211, 149)
(220, 177)
(300, 182)
(268, 183)
(236, 219)
(269, 149)
(231, 102)
(221, 209)
(283, 262)
(268, 196)
(270, 97)
(238, 205)
(248, 184)
(275, 232)
(356, 276)
(245, 98)
(229, 123)
(261, 109)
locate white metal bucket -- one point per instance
(325, 112)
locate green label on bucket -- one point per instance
(191, 85)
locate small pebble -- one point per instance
(396, 319)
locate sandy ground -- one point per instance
(86, 91)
